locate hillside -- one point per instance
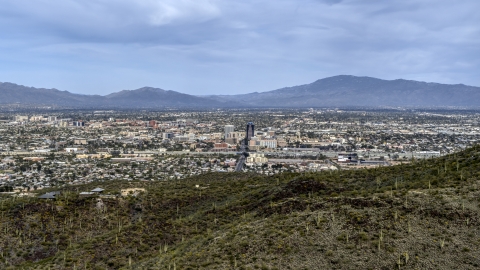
(423, 215)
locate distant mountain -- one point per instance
(14, 93)
(146, 97)
(337, 91)
(154, 97)
(346, 90)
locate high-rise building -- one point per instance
(228, 129)
(250, 131)
(235, 137)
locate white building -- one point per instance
(257, 158)
(21, 118)
(268, 143)
(36, 118)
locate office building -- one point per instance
(268, 143)
(235, 137)
(250, 131)
(228, 129)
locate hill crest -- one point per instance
(336, 91)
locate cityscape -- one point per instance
(73, 179)
(239, 135)
(42, 151)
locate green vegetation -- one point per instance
(423, 215)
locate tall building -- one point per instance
(250, 131)
(235, 137)
(228, 129)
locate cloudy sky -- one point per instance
(228, 47)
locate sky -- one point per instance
(229, 47)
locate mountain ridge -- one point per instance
(340, 90)
(145, 97)
(347, 90)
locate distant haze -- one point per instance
(343, 91)
(234, 47)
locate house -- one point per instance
(50, 195)
(97, 190)
(86, 194)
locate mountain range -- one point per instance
(342, 90)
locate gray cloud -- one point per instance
(219, 46)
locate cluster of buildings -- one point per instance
(325, 130)
(28, 174)
(66, 122)
(38, 151)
